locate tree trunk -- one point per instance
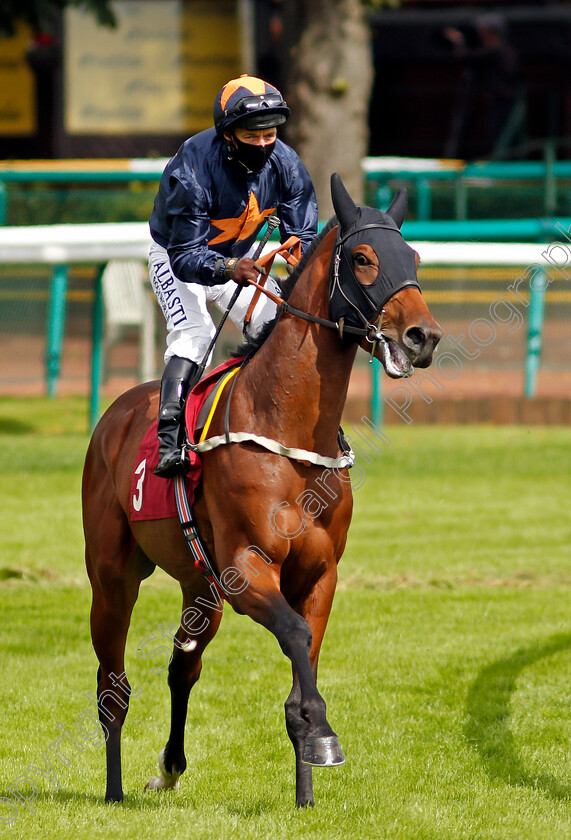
(331, 75)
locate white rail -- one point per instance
(99, 243)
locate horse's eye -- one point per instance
(361, 259)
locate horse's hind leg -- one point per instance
(198, 627)
(115, 589)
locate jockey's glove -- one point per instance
(242, 270)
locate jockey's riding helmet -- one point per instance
(248, 102)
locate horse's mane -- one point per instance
(251, 345)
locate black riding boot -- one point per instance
(178, 378)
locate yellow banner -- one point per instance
(157, 73)
(17, 86)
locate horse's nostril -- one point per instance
(415, 338)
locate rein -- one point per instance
(371, 332)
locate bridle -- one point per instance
(370, 331)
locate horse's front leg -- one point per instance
(316, 611)
(321, 745)
(197, 628)
(262, 600)
(297, 730)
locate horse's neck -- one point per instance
(300, 377)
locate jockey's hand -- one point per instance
(246, 269)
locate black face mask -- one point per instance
(348, 299)
(254, 158)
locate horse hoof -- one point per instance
(323, 752)
(166, 781)
(162, 783)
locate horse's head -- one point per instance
(373, 284)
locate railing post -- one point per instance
(3, 203)
(376, 393)
(550, 185)
(96, 349)
(383, 197)
(56, 325)
(461, 198)
(534, 331)
(424, 200)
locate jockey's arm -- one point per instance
(189, 220)
(298, 209)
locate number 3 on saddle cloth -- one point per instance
(153, 497)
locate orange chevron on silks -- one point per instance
(242, 227)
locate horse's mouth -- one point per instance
(394, 359)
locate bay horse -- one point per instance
(256, 510)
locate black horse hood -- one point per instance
(350, 300)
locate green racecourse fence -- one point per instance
(508, 283)
(501, 272)
(458, 190)
(46, 192)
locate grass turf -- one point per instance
(445, 664)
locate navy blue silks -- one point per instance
(209, 207)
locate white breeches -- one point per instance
(189, 325)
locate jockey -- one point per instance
(214, 197)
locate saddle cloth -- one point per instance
(153, 497)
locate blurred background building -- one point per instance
(445, 84)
